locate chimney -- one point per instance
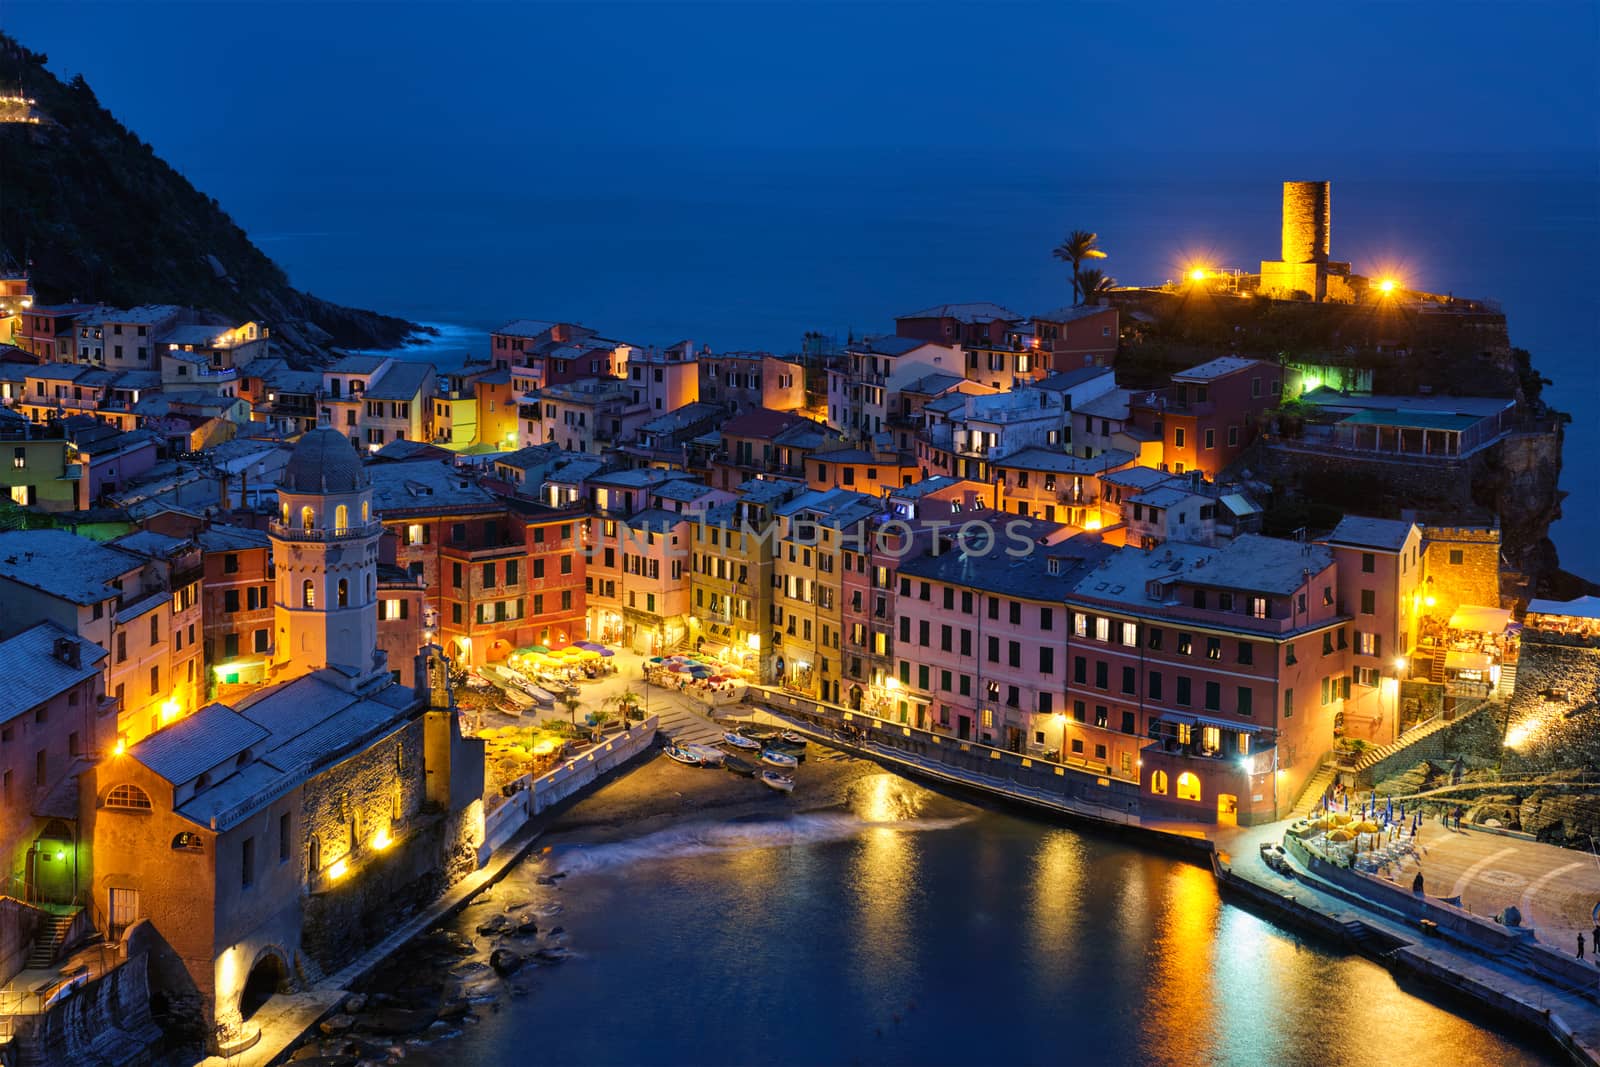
(66, 651)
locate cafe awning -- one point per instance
(1467, 661)
(1480, 619)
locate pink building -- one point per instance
(1213, 676)
(54, 720)
(980, 636)
(980, 324)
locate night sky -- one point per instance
(518, 81)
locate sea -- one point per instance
(755, 249)
(913, 928)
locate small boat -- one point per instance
(708, 756)
(774, 758)
(793, 738)
(682, 755)
(742, 767)
(783, 783)
(757, 733)
(740, 741)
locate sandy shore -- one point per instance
(656, 793)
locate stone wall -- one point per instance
(1307, 214)
(348, 916)
(1554, 719)
(1475, 579)
(1475, 737)
(106, 1021)
(18, 923)
(378, 790)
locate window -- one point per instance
(1154, 639)
(1214, 648)
(1288, 703)
(308, 594)
(1369, 563)
(1158, 782)
(1102, 673)
(1213, 696)
(1047, 660)
(1246, 700)
(1155, 685)
(230, 563)
(341, 519)
(1177, 437)
(1456, 557)
(155, 629)
(1130, 635)
(247, 863)
(1102, 629)
(1367, 676)
(1127, 680)
(128, 798)
(1367, 644)
(230, 600)
(1184, 696)
(1211, 439)
(1369, 602)
(1185, 644)
(1247, 653)
(1080, 624)
(1188, 786)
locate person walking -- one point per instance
(1580, 944)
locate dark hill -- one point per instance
(99, 216)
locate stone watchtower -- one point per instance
(325, 559)
(1305, 267)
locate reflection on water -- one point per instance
(911, 929)
(1181, 987)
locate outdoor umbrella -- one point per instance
(608, 653)
(658, 659)
(677, 667)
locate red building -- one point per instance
(1210, 414)
(48, 330)
(1078, 336)
(236, 605)
(981, 324)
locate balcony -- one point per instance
(344, 533)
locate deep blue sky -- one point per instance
(533, 82)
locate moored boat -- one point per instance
(774, 758)
(792, 738)
(742, 767)
(783, 783)
(740, 741)
(682, 755)
(709, 756)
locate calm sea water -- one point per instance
(919, 930)
(753, 250)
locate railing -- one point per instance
(324, 533)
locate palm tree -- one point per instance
(572, 704)
(625, 702)
(1092, 282)
(600, 719)
(1079, 246)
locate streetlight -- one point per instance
(1061, 721)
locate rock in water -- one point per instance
(505, 962)
(336, 1024)
(495, 925)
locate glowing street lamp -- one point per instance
(1386, 286)
(1197, 274)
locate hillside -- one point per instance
(99, 216)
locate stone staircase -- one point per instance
(1415, 736)
(47, 943)
(685, 727)
(1315, 788)
(1508, 683)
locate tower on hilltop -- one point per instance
(1305, 267)
(325, 559)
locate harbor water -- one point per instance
(908, 927)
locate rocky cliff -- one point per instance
(95, 214)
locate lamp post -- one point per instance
(1061, 753)
(1399, 669)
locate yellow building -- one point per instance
(816, 530)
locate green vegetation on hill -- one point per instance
(99, 216)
